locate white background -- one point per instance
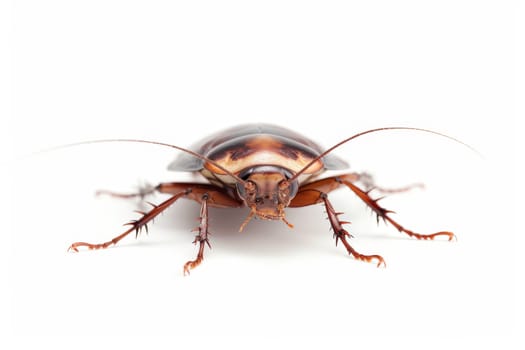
(175, 71)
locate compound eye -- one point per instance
(247, 189)
(288, 189)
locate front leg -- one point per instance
(201, 238)
(311, 195)
(340, 234)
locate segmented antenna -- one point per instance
(194, 154)
(372, 131)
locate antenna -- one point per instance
(372, 131)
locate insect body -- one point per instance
(267, 169)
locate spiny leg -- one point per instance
(201, 238)
(340, 234)
(308, 194)
(314, 193)
(202, 193)
(136, 225)
(206, 195)
(383, 213)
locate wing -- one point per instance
(239, 140)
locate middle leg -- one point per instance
(308, 194)
(203, 193)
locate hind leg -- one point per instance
(369, 184)
(143, 191)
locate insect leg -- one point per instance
(205, 195)
(310, 195)
(340, 234)
(383, 213)
(202, 193)
(216, 196)
(201, 237)
(368, 182)
(142, 192)
(136, 225)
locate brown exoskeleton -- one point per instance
(267, 169)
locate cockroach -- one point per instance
(267, 169)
